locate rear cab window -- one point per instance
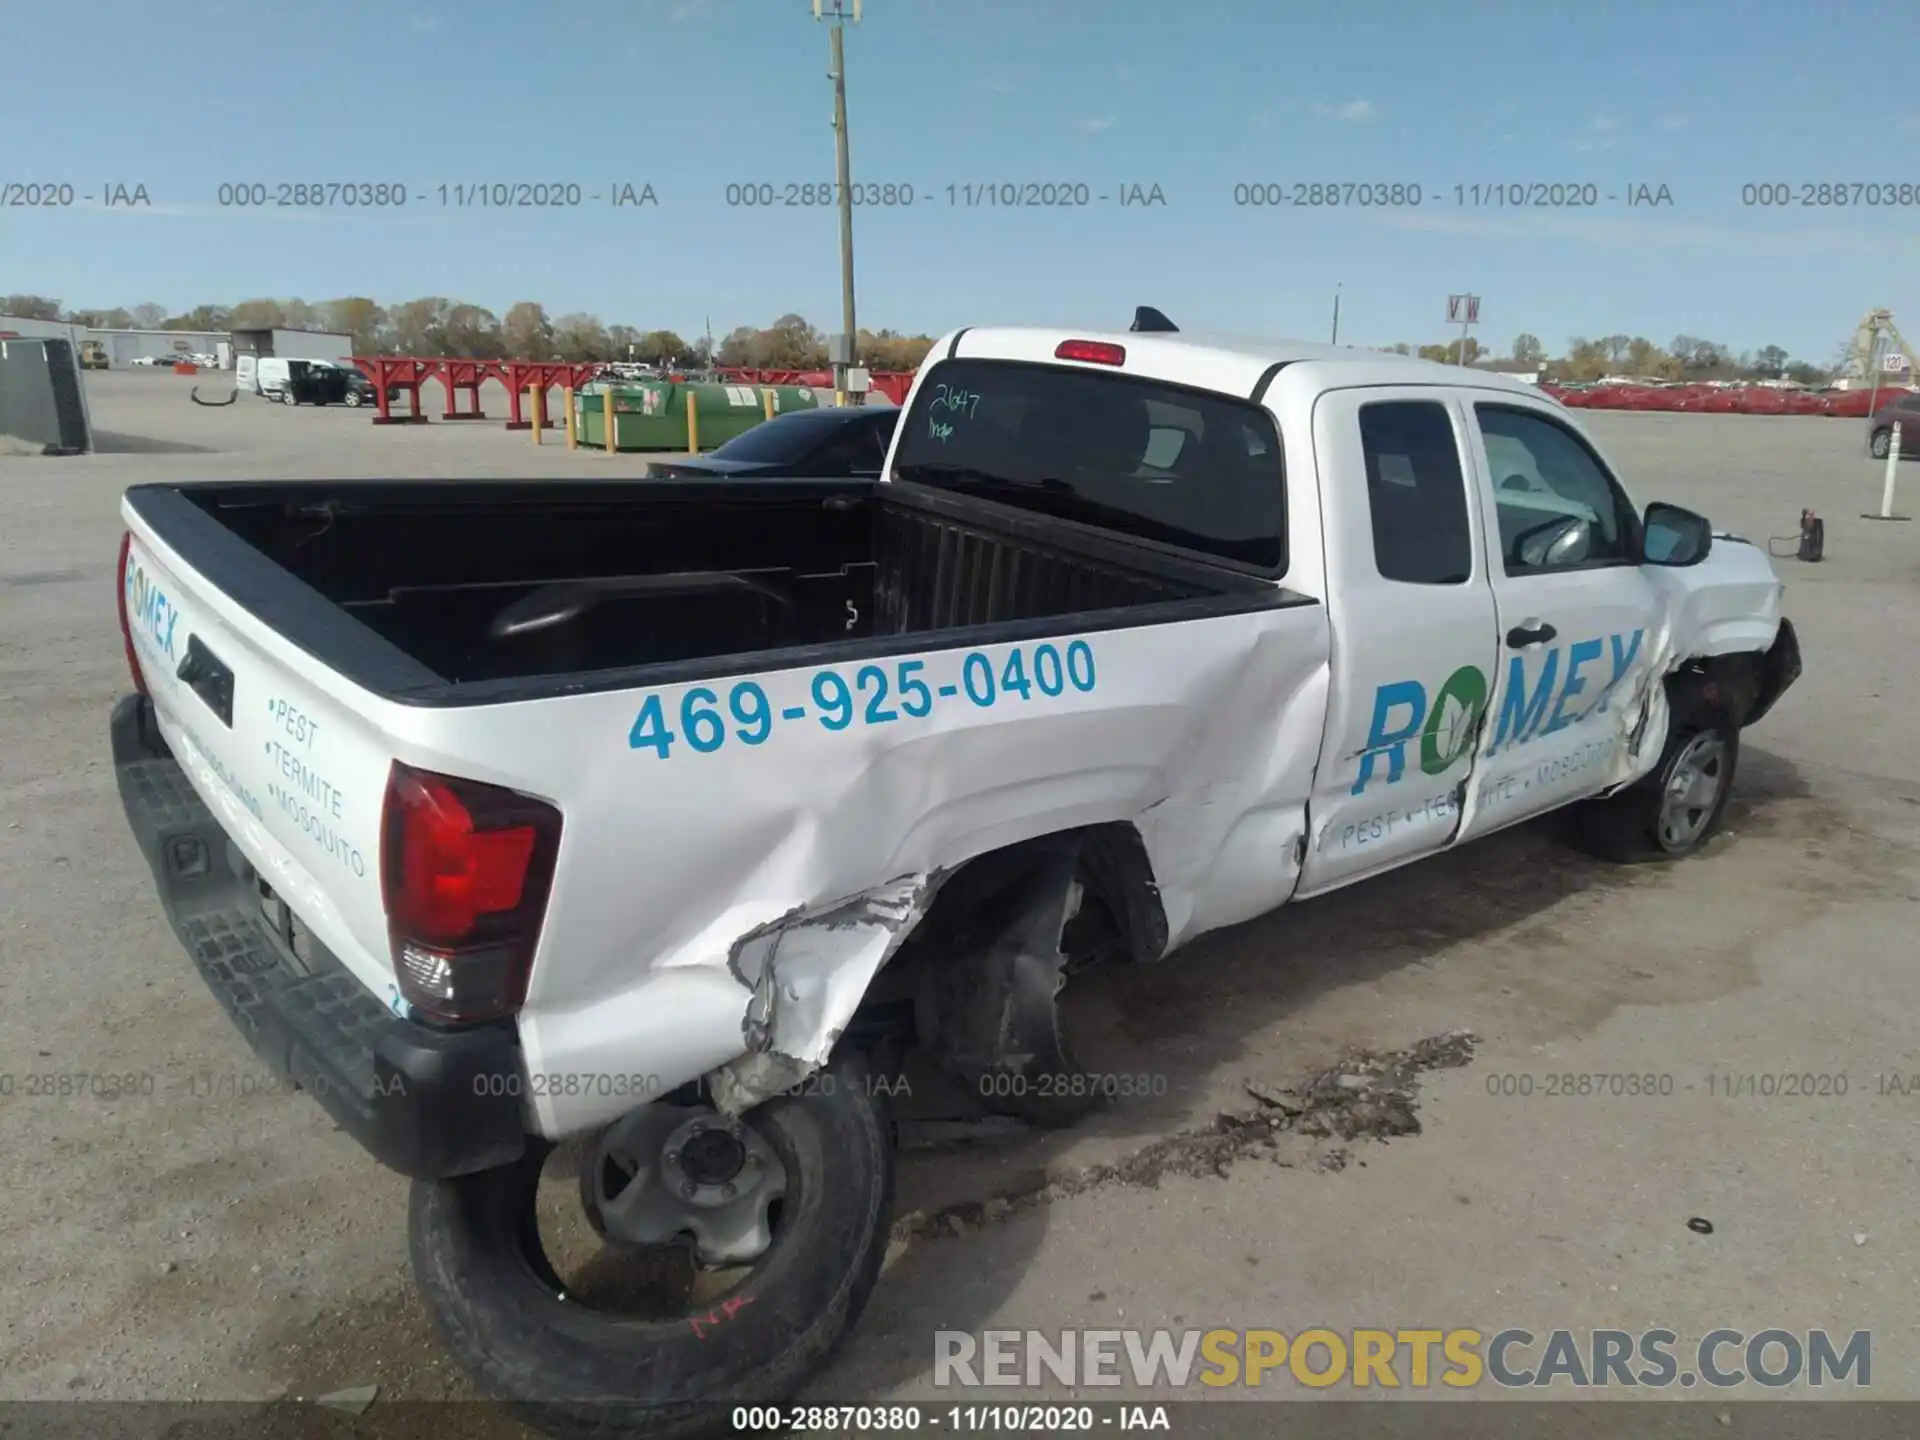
(1187, 468)
(1416, 493)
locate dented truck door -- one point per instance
(1578, 620)
(1413, 624)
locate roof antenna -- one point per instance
(1149, 321)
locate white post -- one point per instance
(1893, 464)
(1886, 489)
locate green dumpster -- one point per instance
(652, 414)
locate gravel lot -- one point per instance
(216, 1240)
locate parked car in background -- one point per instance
(359, 389)
(1904, 410)
(293, 382)
(148, 360)
(830, 442)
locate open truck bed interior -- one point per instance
(486, 583)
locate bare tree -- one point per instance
(30, 307)
(471, 332)
(258, 315)
(527, 333)
(361, 318)
(582, 337)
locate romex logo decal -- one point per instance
(1445, 727)
(150, 614)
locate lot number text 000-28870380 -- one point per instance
(873, 694)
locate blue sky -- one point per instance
(690, 96)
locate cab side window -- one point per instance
(858, 450)
(1416, 493)
(1558, 508)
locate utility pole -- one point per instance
(1336, 316)
(843, 351)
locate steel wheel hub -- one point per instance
(669, 1174)
(1693, 789)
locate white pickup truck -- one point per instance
(650, 822)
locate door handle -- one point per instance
(207, 675)
(1521, 636)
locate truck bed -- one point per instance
(479, 591)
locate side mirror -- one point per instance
(1675, 536)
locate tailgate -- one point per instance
(272, 743)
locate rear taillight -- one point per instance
(465, 869)
(126, 630)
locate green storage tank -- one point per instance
(652, 414)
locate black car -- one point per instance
(360, 389)
(840, 442)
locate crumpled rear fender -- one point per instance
(806, 973)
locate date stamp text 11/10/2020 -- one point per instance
(1715, 1084)
(1478, 195)
(979, 194)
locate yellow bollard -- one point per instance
(566, 398)
(766, 402)
(539, 410)
(606, 402)
(693, 425)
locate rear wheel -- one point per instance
(724, 1262)
(1880, 444)
(1674, 810)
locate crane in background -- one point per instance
(1874, 340)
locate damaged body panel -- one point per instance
(1156, 637)
(807, 974)
(752, 933)
(1482, 678)
(1134, 639)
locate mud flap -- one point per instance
(987, 1005)
(1778, 670)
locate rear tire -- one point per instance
(1675, 809)
(1880, 444)
(571, 1372)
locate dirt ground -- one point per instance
(205, 1237)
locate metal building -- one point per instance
(292, 344)
(125, 346)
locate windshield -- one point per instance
(1137, 456)
(785, 439)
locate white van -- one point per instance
(264, 375)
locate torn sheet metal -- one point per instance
(807, 974)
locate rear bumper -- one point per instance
(428, 1103)
(1779, 668)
